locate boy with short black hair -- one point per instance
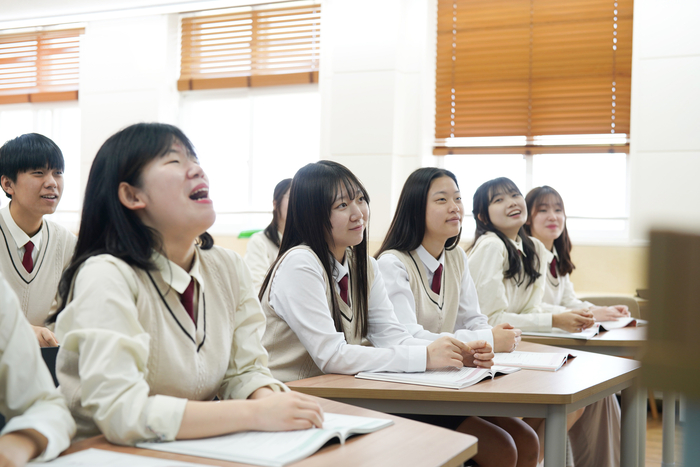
(33, 251)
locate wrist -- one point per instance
(261, 393)
(23, 444)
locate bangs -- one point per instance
(549, 199)
(352, 185)
(29, 152)
(502, 186)
(39, 160)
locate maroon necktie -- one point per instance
(343, 284)
(27, 261)
(553, 267)
(187, 299)
(437, 278)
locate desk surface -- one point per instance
(625, 337)
(581, 377)
(404, 443)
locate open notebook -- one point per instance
(556, 332)
(448, 377)
(548, 361)
(273, 449)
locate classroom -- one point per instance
(370, 105)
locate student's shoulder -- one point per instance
(61, 233)
(541, 250)
(488, 243)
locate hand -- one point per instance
(505, 337)
(285, 411)
(480, 355)
(446, 351)
(17, 447)
(573, 321)
(45, 337)
(610, 313)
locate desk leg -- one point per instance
(669, 430)
(641, 457)
(555, 436)
(631, 426)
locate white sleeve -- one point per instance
(471, 324)
(31, 401)
(298, 296)
(256, 259)
(101, 326)
(569, 300)
(487, 260)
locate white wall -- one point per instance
(665, 120)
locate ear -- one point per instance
(131, 197)
(8, 185)
(481, 218)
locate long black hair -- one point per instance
(407, 229)
(530, 263)
(534, 199)
(107, 226)
(311, 197)
(272, 230)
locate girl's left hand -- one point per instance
(609, 313)
(482, 356)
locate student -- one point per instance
(509, 270)
(39, 425)
(547, 223)
(508, 266)
(155, 321)
(595, 438)
(428, 282)
(264, 246)
(324, 294)
(35, 251)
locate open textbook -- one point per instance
(556, 332)
(548, 361)
(617, 324)
(273, 449)
(448, 377)
(104, 458)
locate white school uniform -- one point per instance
(504, 300)
(296, 300)
(131, 356)
(559, 290)
(469, 323)
(53, 250)
(28, 397)
(259, 255)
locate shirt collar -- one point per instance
(519, 245)
(428, 260)
(174, 275)
(20, 236)
(554, 252)
(340, 269)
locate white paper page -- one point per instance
(556, 332)
(103, 458)
(443, 377)
(256, 447)
(351, 424)
(620, 323)
(530, 359)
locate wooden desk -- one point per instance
(551, 395)
(624, 342)
(406, 443)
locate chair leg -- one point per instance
(652, 405)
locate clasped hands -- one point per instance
(448, 351)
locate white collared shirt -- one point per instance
(471, 324)
(20, 236)
(298, 296)
(179, 279)
(260, 253)
(559, 291)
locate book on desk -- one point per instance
(547, 361)
(273, 449)
(448, 377)
(586, 334)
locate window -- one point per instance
(39, 66)
(247, 141)
(263, 45)
(60, 122)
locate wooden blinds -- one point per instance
(39, 66)
(258, 46)
(533, 67)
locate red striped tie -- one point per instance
(27, 261)
(187, 299)
(343, 284)
(437, 280)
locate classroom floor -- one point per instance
(654, 442)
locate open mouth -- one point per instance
(514, 213)
(49, 196)
(200, 193)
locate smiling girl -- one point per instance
(509, 267)
(428, 282)
(324, 294)
(547, 223)
(155, 321)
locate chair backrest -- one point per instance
(671, 359)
